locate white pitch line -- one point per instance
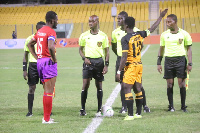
(97, 120)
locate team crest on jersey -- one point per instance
(99, 44)
(180, 41)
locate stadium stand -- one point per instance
(187, 11)
(24, 18)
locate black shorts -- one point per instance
(175, 67)
(117, 67)
(94, 70)
(33, 77)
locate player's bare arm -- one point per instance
(87, 61)
(189, 55)
(160, 56)
(25, 61)
(32, 48)
(122, 64)
(114, 48)
(105, 69)
(155, 25)
(52, 50)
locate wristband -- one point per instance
(190, 64)
(159, 60)
(83, 58)
(118, 72)
(24, 66)
(107, 63)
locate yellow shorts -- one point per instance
(133, 73)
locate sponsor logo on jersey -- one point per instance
(180, 41)
(41, 34)
(99, 44)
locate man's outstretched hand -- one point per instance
(163, 13)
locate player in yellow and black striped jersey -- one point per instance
(117, 35)
(132, 44)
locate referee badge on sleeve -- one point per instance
(180, 41)
(99, 44)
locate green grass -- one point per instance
(66, 105)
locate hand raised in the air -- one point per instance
(163, 13)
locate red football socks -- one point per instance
(47, 105)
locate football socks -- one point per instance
(170, 96)
(183, 96)
(47, 105)
(83, 98)
(144, 97)
(30, 102)
(139, 102)
(129, 102)
(123, 98)
(99, 97)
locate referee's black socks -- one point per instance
(170, 96)
(183, 96)
(144, 97)
(99, 97)
(30, 102)
(123, 98)
(83, 98)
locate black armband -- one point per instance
(24, 66)
(83, 58)
(159, 60)
(107, 63)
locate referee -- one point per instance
(175, 44)
(32, 74)
(93, 44)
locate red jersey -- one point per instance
(42, 36)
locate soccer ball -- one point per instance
(107, 111)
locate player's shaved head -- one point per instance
(94, 17)
(173, 16)
(40, 24)
(124, 14)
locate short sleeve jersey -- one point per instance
(175, 44)
(31, 57)
(42, 37)
(117, 35)
(132, 43)
(94, 45)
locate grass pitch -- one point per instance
(66, 104)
